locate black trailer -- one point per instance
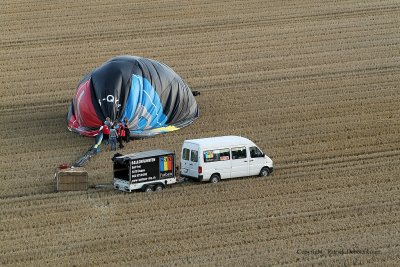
(147, 171)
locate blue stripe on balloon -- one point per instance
(143, 93)
(133, 98)
(151, 101)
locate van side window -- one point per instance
(239, 152)
(194, 156)
(216, 155)
(255, 152)
(185, 154)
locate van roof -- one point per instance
(221, 141)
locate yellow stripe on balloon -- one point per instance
(164, 129)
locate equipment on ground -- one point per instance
(147, 171)
(70, 179)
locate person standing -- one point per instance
(106, 131)
(127, 131)
(113, 138)
(121, 134)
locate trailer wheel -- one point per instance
(148, 189)
(159, 188)
(264, 172)
(214, 179)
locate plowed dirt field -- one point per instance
(315, 84)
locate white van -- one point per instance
(216, 158)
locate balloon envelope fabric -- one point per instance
(148, 93)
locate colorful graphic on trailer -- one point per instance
(166, 166)
(148, 93)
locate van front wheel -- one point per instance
(264, 172)
(214, 179)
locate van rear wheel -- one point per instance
(264, 172)
(214, 179)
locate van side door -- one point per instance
(257, 160)
(217, 161)
(240, 162)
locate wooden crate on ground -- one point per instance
(71, 179)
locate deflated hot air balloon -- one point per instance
(148, 93)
